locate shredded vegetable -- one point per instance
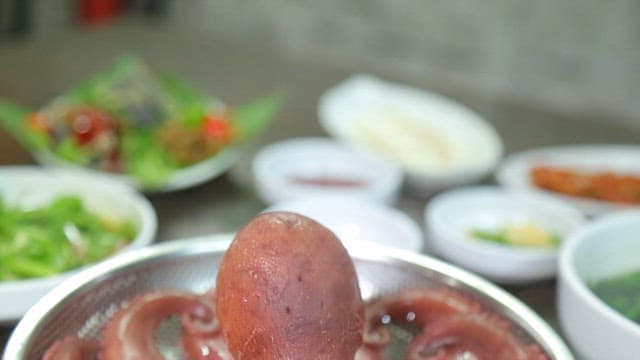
(57, 237)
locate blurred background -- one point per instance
(543, 72)
(578, 57)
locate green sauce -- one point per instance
(621, 293)
(60, 236)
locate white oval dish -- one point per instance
(514, 173)
(438, 142)
(183, 178)
(352, 219)
(450, 216)
(607, 247)
(296, 168)
(34, 186)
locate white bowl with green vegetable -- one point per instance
(144, 128)
(599, 288)
(507, 237)
(54, 223)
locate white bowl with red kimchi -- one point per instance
(595, 178)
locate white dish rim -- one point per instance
(409, 226)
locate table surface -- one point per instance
(33, 72)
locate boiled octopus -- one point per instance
(287, 289)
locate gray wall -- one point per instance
(575, 56)
(567, 55)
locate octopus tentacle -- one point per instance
(422, 306)
(73, 348)
(202, 336)
(130, 333)
(473, 336)
(205, 347)
(368, 353)
(417, 307)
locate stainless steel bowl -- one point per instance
(82, 304)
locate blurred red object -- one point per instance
(98, 11)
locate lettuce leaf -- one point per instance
(146, 160)
(253, 118)
(13, 119)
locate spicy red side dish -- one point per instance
(327, 181)
(308, 312)
(607, 186)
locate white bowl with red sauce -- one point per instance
(456, 221)
(605, 249)
(315, 166)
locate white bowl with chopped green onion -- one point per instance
(54, 223)
(507, 237)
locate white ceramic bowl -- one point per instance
(352, 219)
(438, 142)
(607, 247)
(33, 186)
(514, 172)
(303, 167)
(450, 216)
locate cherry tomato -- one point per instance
(217, 128)
(86, 124)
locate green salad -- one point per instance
(135, 121)
(60, 236)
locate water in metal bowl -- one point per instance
(82, 304)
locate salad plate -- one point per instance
(595, 178)
(438, 142)
(56, 223)
(184, 178)
(139, 126)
